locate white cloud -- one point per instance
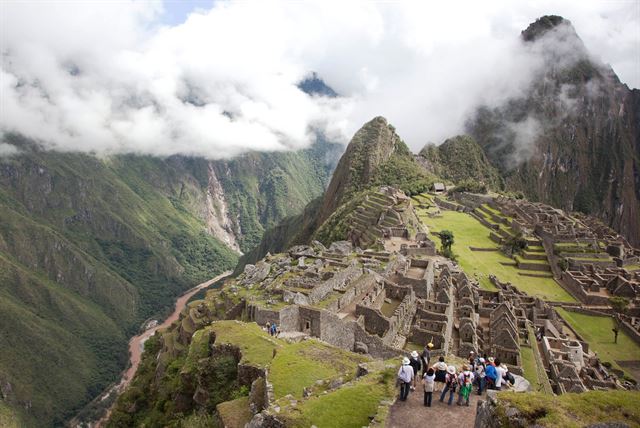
(106, 77)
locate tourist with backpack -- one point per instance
(440, 369)
(451, 383)
(405, 376)
(465, 381)
(480, 375)
(414, 361)
(429, 381)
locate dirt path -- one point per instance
(412, 413)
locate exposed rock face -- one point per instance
(573, 140)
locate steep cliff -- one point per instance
(573, 139)
(90, 248)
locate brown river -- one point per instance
(136, 344)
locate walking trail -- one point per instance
(412, 413)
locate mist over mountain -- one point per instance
(139, 158)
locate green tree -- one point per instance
(447, 240)
(514, 244)
(619, 304)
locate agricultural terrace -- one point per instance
(308, 364)
(469, 232)
(597, 331)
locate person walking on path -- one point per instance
(440, 369)
(429, 381)
(415, 365)
(465, 381)
(480, 375)
(405, 376)
(450, 384)
(426, 357)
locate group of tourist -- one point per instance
(273, 329)
(480, 372)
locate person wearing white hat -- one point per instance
(480, 375)
(414, 361)
(405, 376)
(450, 384)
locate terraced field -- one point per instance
(597, 331)
(469, 232)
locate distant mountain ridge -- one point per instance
(89, 248)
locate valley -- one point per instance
(196, 230)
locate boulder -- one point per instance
(341, 247)
(360, 348)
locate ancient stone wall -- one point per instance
(374, 321)
(339, 281)
(335, 331)
(290, 318)
(310, 321)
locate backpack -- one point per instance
(452, 382)
(467, 379)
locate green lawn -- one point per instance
(573, 410)
(348, 407)
(468, 232)
(299, 365)
(597, 331)
(256, 345)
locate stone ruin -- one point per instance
(386, 300)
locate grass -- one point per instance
(469, 232)
(532, 372)
(349, 407)
(573, 410)
(597, 331)
(256, 345)
(8, 419)
(529, 365)
(299, 365)
(235, 413)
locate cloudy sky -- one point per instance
(216, 79)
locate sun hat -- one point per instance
(430, 345)
(504, 366)
(471, 352)
(414, 354)
(405, 361)
(451, 370)
(491, 359)
(481, 360)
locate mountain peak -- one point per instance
(543, 25)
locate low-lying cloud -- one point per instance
(107, 77)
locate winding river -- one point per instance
(136, 344)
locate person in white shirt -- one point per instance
(405, 376)
(500, 372)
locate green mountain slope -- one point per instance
(460, 158)
(90, 248)
(375, 156)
